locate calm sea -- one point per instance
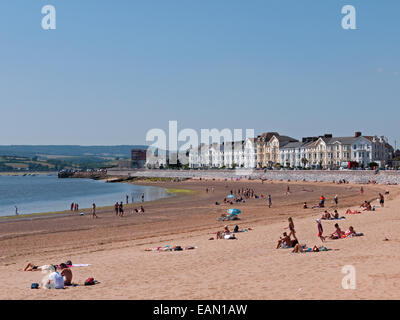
(46, 193)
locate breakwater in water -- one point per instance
(355, 176)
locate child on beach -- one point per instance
(320, 230)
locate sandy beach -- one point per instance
(248, 268)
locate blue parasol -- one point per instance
(234, 211)
(231, 196)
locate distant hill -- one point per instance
(122, 151)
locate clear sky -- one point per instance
(112, 70)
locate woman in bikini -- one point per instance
(291, 228)
(337, 234)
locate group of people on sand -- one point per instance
(58, 276)
(119, 209)
(229, 235)
(331, 216)
(74, 206)
(246, 193)
(321, 203)
(286, 240)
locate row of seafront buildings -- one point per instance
(271, 149)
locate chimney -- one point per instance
(357, 134)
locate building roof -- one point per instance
(343, 140)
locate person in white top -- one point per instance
(56, 280)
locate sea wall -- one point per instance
(356, 176)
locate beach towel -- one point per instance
(80, 265)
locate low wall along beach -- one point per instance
(355, 176)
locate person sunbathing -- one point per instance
(336, 215)
(348, 211)
(364, 204)
(284, 242)
(337, 234)
(350, 232)
(368, 207)
(31, 267)
(326, 215)
(226, 230)
(299, 248)
(305, 205)
(66, 273)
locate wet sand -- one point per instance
(247, 268)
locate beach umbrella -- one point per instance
(231, 196)
(234, 211)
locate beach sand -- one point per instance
(248, 268)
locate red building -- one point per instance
(138, 157)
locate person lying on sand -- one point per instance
(31, 267)
(299, 248)
(305, 205)
(348, 211)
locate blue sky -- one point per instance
(112, 70)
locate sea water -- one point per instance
(48, 193)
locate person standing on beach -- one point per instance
(127, 199)
(336, 200)
(94, 211)
(287, 190)
(362, 191)
(142, 197)
(320, 230)
(269, 201)
(116, 208)
(16, 210)
(291, 228)
(72, 206)
(121, 209)
(381, 200)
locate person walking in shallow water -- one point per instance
(142, 197)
